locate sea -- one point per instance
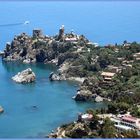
(34, 110)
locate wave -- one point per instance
(14, 24)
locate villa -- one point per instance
(123, 122)
(114, 69)
(107, 76)
(127, 122)
(137, 56)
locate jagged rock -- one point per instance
(83, 95)
(98, 99)
(26, 76)
(54, 77)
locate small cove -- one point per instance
(33, 110)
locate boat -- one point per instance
(26, 22)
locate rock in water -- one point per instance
(26, 76)
(1, 109)
(54, 77)
(83, 95)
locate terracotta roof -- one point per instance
(129, 118)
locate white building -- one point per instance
(127, 122)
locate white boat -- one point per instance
(26, 22)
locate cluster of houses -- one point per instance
(123, 122)
(137, 56)
(111, 71)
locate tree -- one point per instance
(130, 134)
(108, 129)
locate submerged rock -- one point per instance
(1, 109)
(26, 76)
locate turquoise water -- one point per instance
(102, 22)
(54, 102)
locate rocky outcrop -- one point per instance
(79, 130)
(73, 130)
(98, 99)
(1, 109)
(26, 76)
(56, 77)
(84, 95)
(42, 48)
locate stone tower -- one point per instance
(37, 33)
(61, 33)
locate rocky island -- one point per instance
(105, 73)
(26, 76)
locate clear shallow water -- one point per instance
(103, 22)
(53, 100)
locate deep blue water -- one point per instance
(102, 22)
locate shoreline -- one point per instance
(98, 70)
